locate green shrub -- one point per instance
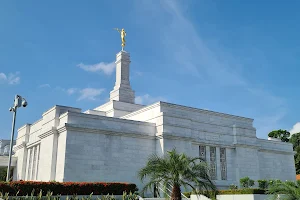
(272, 182)
(243, 191)
(108, 197)
(187, 194)
(65, 188)
(262, 184)
(207, 193)
(130, 196)
(233, 187)
(246, 182)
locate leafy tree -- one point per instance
(295, 140)
(262, 184)
(176, 170)
(3, 174)
(287, 190)
(246, 182)
(281, 134)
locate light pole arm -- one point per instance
(11, 142)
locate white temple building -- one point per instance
(113, 141)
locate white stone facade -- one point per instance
(113, 141)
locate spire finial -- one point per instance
(123, 34)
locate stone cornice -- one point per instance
(20, 146)
(170, 105)
(196, 121)
(29, 145)
(213, 144)
(104, 105)
(56, 106)
(192, 128)
(61, 129)
(128, 121)
(24, 126)
(195, 141)
(142, 110)
(48, 133)
(181, 107)
(274, 142)
(79, 128)
(219, 143)
(247, 146)
(277, 151)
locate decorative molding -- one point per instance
(48, 133)
(142, 110)
(73, 127)
(250, 146)
(20, 146)
(59, 106)
(128, 121)
(265, 141)
(29, 145)
(36, 122)
(181, 107)
(24, 126)
(277, 151)
(175, 137)
(228, 146)
(165, 114)
(61, 129)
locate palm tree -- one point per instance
(289, 189)
(176, 170)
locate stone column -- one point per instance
(218, 163)
(207, 151)
(29, 164)
(122, 90)
(36, 162)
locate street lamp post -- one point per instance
(18, 102)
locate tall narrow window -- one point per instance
(29, 164)
(34, 162)
(202, 151)
(213, 165)
(223, 163)
(37, 164)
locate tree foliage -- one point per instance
(3, 172)
(295, 140)
(246, 182)
(283, 135)
(176, 170)
(287, 190)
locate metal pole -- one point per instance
(11, 142)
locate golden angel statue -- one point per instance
(123, 34)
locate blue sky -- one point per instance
(237, 57)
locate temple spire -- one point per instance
(122, 90)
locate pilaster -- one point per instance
(218, 163)
(207, 151)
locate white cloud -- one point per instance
(296, 128)
(83, 94)
(90, 93)
(138, 73)
(147, 99)
(44, 86)
(71, 91)
(3, 77)
(106, 68)
(11, 78)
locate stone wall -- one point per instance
(105, 157)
